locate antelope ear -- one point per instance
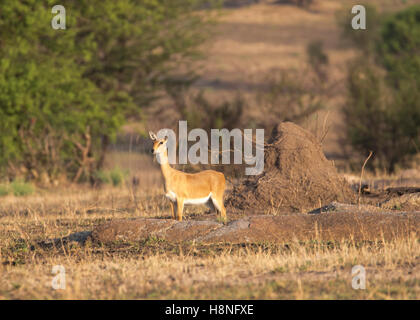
(152, 136)
(166, 139)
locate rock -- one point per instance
(77, 237)
(345, 207)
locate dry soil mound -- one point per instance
(264, 228)
(297, 176)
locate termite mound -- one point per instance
(297, 176)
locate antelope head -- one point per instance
(159, 145)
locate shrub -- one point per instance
(4, 190)
(22, 188)
(382, 110)
(116, 176)
(364, 40)
(101, 177)
(318, 59)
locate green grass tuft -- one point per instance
(102, 177)
(22, 188)
(18, 188)
(115, 176)
(4, 190)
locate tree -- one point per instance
(65, 93)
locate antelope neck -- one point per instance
(164, 163)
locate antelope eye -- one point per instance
(160, 142)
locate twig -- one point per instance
(325, 128)
(361, 177)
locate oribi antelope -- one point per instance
(205, 187)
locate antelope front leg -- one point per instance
(173, 210)
(180, 208)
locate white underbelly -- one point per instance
(172, 196)
(198, 200)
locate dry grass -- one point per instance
(160, 270)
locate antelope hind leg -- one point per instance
(220, 208)
(180, 208)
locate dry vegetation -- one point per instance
(158, 269)
(253, 40)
